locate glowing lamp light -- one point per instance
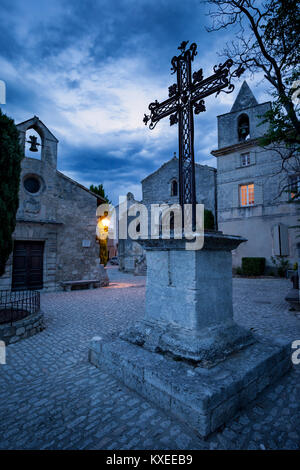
(105, 222)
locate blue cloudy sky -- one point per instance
(90, 68)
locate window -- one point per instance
(295, 186)
(32, 184)
(247, 195)
(245, 159)
(243, 127)
(174, 188)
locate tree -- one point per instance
(11, 155)
(100, 191)
(266, 41)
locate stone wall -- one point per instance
(21, 329)
(77, 249)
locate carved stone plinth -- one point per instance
(188, 356)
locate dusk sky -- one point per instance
(89, 70)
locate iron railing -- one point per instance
(18, 304)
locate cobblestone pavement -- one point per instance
(52, 398)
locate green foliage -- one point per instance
(281, 263)
(10, 163)
(239, 271)
(103, 252)
(267, 41)
(281, 39)
(253, 266)
(209, 220)
(100, 191)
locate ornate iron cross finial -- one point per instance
(186, 96)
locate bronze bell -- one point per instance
(244, 131)
(33, 141)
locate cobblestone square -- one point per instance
(52, 398)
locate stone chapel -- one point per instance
(55, 235)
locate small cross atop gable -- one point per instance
(244, 99)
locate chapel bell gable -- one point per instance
(38, 142)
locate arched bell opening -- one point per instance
(243, 127)
(33, 144)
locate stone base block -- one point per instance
(203, 398)
(206, 347)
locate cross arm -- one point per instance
(215, 83)
(160, 110)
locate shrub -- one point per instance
(209, 220)
(239, 271)
(253, 266)
(281, 263)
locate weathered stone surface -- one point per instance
(204, 399)
(22, 328)
(48, 382)
(189, 322)
(20, 331)
(104, 279)
(62, 214)
(189, 301)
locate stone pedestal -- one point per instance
(188, 355)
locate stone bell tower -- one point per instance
(249, 182)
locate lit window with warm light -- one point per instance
(294, 186)
(247, 195)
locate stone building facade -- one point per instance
(251, 199)
(129, 251)
(54, 239)
(162, 187)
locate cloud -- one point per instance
(89, 70)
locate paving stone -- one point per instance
(52, 398)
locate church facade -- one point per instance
(55, 235)
(162, 187)
(252, 201)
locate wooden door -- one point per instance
(27, 265)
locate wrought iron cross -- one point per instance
(186, 96)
